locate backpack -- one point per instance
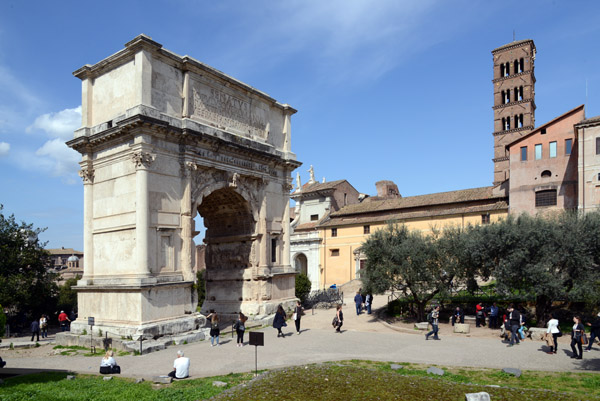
(430, 317)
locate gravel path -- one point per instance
(363, 337)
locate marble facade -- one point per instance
(163, 138)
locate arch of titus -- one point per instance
(163, 138)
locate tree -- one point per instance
(67, 296)
(26, 286)
(408, 262)
(303, 286)
(551, 259)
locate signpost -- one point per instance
(91, 324)
(257, 339)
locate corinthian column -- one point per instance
(142, 161)
(187, 247)
(87, 174)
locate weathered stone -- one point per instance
(218, 383)
(435, 371)
(70, 377)
(107, 378)
(394, 366)
(162, 379)
(463, 328)
(144, 188)
(422, 326)
(482, 396)
(537, 333)
(512, 371)
(140, 380)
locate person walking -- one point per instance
(369, 302)
(298, 312)
(433, 318)
(279, 321)
(358, 302)
(240, 329)
(215, 331)
(553, 331)
(576, 337)
(338, 320)
(494, 312)
(44, 326)
(62, 320)
(594, 332)
(514, 321)
(35, 329)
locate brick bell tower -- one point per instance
(514, 101)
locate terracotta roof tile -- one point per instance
(318, 186)
(440, 198)
(64, 251)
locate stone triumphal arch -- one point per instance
(163, 139)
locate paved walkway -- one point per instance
(363, 337)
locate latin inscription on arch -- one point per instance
(230, 112)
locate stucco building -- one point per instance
(314, 201)
(588, 163)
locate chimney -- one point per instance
(387, 189)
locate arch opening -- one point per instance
(301, 264)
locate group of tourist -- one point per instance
(578, 335)
(40, 326)
(363, 302)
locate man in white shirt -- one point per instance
(181, 367)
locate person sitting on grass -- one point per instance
(181, 367)
(108, 364)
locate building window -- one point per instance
(501, 70)
(273, 250)
(545, 198)
(314, 217)
(521, 65)
(518, 120)
(543, 131)
(506, 123)
(506, 69)
(508, 96)
(335, 252)
(546, 174)
(366, 229)
(485, 218)
(523, 153)
(334, 232)
(552, 152)
(520, 93)
(538, 151)
(598, 146)
(568, 146)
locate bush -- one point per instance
(201, 287)
(2, 322)
(302, 286)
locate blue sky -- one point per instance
(397, 90)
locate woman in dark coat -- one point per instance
(279, 321)
(576, 335)
(298, 312)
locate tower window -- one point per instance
(538, 151)
(506, 123)
(520, 93)
(506, 69)
(523, 153)
(508, 96)
(568, 146)
(521, 65)
(519, 121)
(501, 70)
(545, 198)
(503, 97)
(552, 152)
(516, 67)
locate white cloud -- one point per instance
(4, 148)
(58, 125)
(58, 158)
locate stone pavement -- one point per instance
(363, 337)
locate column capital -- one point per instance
(142, 159)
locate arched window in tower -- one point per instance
(501, 70)
(516, 92)
(520, 93)
(521, 65)
(506, 123)
(503, 123)
(506, 69)
(507, 96)
(519, 121)
(516, 67)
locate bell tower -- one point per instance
(514, 100)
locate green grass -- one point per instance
(347, 380)
(54, 386)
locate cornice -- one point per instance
(502, 106)
(500, 159)
(530, 72)
(529, 127)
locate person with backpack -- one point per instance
(433, 319)
(240, 329)
(215, 330)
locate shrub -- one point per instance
(302, 286)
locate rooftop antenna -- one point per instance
(514, 35)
